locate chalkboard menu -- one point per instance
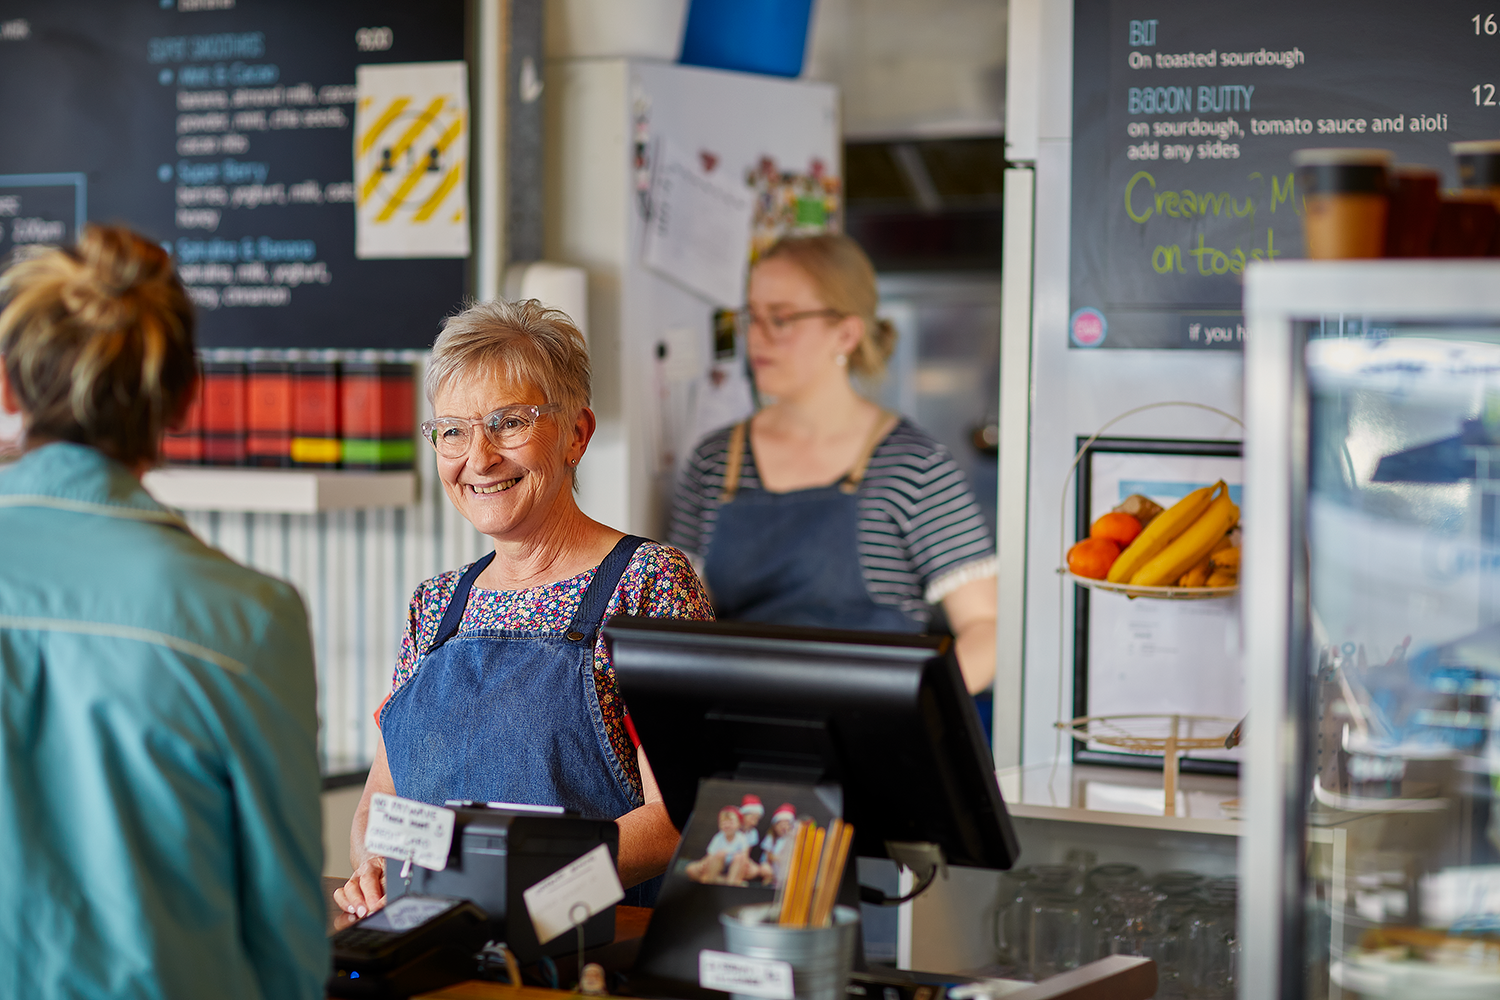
(228, 130)
(1185, 115)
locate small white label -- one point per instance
(756, 977)
(571, 895)
(409, 831)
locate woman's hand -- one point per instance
(364, 893)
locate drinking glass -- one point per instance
(1057, 934)
(1011, 940)
(1060, 878)
(1210, 970)
(1013, 925)
(1169, 922)
(1102, 915)
(1135, 934)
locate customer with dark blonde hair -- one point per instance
(504, 690)
(159, 814)
(823, 509)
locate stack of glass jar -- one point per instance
(1053, 918)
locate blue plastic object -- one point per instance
(753, 36)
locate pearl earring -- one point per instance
(841, 360)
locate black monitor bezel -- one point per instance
(761, 672)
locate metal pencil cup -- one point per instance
(820, 957)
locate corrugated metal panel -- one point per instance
(355, 570)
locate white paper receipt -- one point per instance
(571, 895)
(409, 831)
(755, 977)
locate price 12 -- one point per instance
(1484, 95)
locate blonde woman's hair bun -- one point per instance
(97, 342)
(882, 338)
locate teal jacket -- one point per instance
(160, 829)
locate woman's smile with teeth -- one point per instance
(497, 488)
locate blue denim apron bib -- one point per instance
(495, 715)
(793, 558)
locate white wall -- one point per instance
(912, 67)
(1074, 392)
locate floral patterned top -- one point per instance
(658, 583)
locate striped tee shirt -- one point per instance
(921, 533)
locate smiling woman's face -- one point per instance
(508, 493)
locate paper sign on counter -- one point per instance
(409, 831)
(571, 895)
(756, 977)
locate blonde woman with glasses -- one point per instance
(504, 691)
(824, 509)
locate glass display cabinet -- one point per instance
(1371, 603)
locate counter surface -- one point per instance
(1119, 796)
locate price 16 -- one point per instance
(1485, 24)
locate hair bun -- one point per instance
(97, 341)
(883, 336)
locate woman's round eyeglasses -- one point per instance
(779, 327)
(507, 427)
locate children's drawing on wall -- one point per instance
(787, 202)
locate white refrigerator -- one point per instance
(636, 144)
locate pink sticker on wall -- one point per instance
(1088, 327)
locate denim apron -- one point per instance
(495, 715)
(793, 558)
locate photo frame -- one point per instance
(704, 877)
(1145, 655)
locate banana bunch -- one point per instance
(1220, 569)
(1187, 538)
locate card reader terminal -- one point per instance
(415, 943)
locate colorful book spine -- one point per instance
(315, 440)
(268, 422)
(377, 402)
(223, 408)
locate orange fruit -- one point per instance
(1093, 557)
(1117, 527)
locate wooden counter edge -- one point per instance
(1118, 977)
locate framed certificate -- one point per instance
(1143, 655)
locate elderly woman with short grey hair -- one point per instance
(504, 690)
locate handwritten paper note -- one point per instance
(571, 895)
(699, 231)
(756, 977)
(409, 831)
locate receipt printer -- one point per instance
(501, 851)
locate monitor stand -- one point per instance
(686, 918)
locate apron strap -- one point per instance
(453, 616)
(595, 600)
(734, 461)
(883, 426)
